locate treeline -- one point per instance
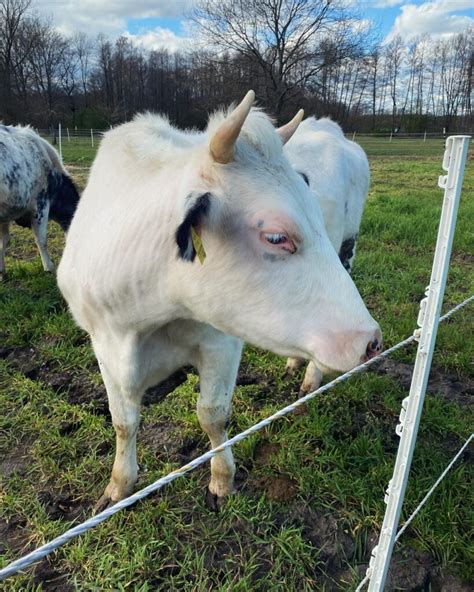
(335, 69)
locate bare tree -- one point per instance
(83, 48)
(285, 38)
(393, 61)
(47, 59)
(12, 15)
(455, 65)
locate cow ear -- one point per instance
(198, 208)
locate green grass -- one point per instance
(401, 147)
(333, 460)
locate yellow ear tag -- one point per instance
(198, 246)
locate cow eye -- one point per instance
(276, 238)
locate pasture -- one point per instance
(310, 489)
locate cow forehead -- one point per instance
(272, 186)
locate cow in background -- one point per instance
(34, 187)
(337, 173)
(186, 244)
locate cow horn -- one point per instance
(224, 138)
(286, 131)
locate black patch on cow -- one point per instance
(305, 177)
(194, 216)
(347, 252)
(12, 175)
(42, 200)
(24, 221)
(63, 196)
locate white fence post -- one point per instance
(68, 136)
(60, 141)
(353, 136)
(391, 134)
(92, 138)
(453, 162)
(424, 138)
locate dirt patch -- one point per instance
(13, 538)
(50, 579)
(167, 442)
(79, 389)
(326, 533)
(448, 583)
(445, 385)
(12, 535)
(409, 570)
(162, 439)
(460, 257)
(266, 452)
(266, 385)
(15, 460)
(61, 506)
(281, 488)
(414, 570)
(23, 359)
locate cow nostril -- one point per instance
(373, 348)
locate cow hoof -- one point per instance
(103, 503)
(213, 501)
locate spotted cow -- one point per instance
(34, 187)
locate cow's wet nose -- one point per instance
(375, 346)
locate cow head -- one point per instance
(64, 198)
(267, 271)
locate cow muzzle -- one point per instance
(374, 347)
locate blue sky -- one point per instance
(162, 23)
(384, 17)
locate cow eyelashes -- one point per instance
(276, 238)
(280, 240)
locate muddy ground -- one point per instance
(411, 570)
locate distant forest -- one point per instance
(293, 53)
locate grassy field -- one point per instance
(310, 498)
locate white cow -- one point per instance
(265, 271)
(337, 172)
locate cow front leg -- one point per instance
(39, 225)
(124, 405)
(4, 240)
(312, 379)
(218, 373)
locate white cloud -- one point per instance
(387, 3)
(437, 18)
(161, 38)
(107, 16)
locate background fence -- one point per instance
(79, 146)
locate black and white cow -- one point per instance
(34, 187)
